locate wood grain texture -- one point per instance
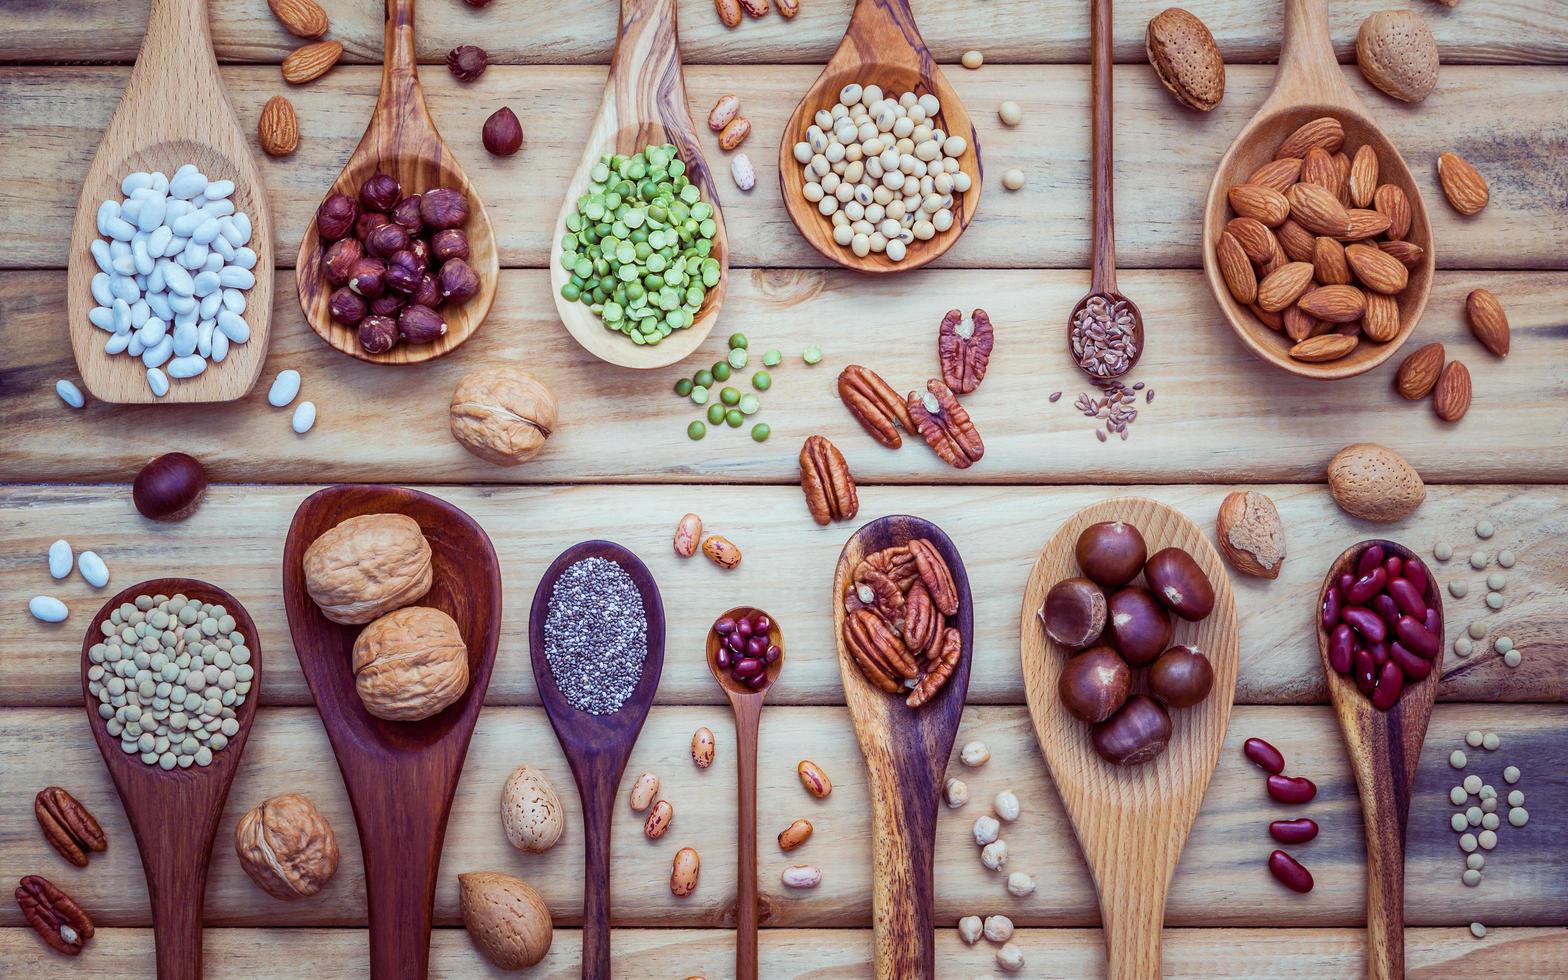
(906, 752)
(1131, 823)
(401, 775)
(401, 140)
(1165, 156)
(174, 110)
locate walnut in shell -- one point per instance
(410, 664)
(1250, 533)
(505, 917)
(287, 847)
(368, 566)
(531, 813)
(502, 414)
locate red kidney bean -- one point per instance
(761, 624)
(747, 667)
(1366, 587)
(1289, 872)
(757, 645)
(1379, 652)
(1341, 649)
(1417, 637)
(1390, 683)
(1406, 597)
(1383, 604)
(1433, 621)
(1394, 566)
(722, 656)
(725, 626)
(1293, 831)
(1365, 671)
(1415, 572)
(1263, 755)
(1345, 581)
(744, 628)
(758, 681)
(1291, 789)
(1415, 667)
(772, 654)
(1370, 559)
(1331, 607)
(1365, 622)
(736, 642)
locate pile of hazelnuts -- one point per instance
(395, 260)
(1119, 627)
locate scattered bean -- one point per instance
(304, 417)
(1467, 843)
(743, 171)
(1010, 957)
(1491, 741)
(1515, 797)
(1478, 930)
(986, 830)
(1475, 862)
(1473, 739)
(1010, 113)
(1511, 775)
(1291, 789)
(972, 59)
(1503, 644)
(1463, 646)
(69, 393)
(1490, 821)
(1494, 601)
(1457, 795)
(969, 929)
(1457, 759)
(998, 928)
(1477, 629)
(795, 835)
(1513, 658)
(684, 873)
(1487, 839)
(702, 743)
(659, 818)
(1290, 872)
(800, 876)
(644, 788)
(1484, 529)
(1472, 784)
(814, 779)
(696, 430)
(1013, 179)
(688, 533)
(761, 431)
(1505, 558)
(1472, 877)
(955, 792)
(1442, 551)
(1020, 884)
(1496, 581)
(1478, 560)
(1518, 816)
(93, 570)
(1458, 822)
(1006, 805)
(1487, 793)
(974, 754)
(1473, 816)
(47, 609)
(772, 358)
(61, 560)
(1263, 755)
(284, 388)
(994, 855)
(1458, 588)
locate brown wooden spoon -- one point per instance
(906, 752)
(402, 141)
(174, 813)
(400, 775)
(1384, 749)
(746, 702)
(597, 746)
(882, 46)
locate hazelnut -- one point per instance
(380, 193)
(287, 847)
(387, 240)
(503, 415)
(419, 250)
(338, 263)
(443, 207)
(1137, 625)
(503, 133)
(1135, 734)
(1074, 612)
(1181, 677)
(368, 277)
(368, 222)
(459, 282)
(378, 334)
(410, 664)
(428, 292)
(420, 324)
(467, 62)
(402, 279)
(449, 243)
(1094, 684)
(1180, 584)
(336, 217)
(169, 488)
(406, 214)
(346, 307)
(388, 305)
(406, 258)
(367, 566)
(1111, 553)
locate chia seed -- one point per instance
(596, 635)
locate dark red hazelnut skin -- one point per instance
(1182, 677)
(1135, 734)
(503, 133)
(170, 487)
(402, 279)
(338, 262)
(1094, 684)
(419, 248)
(444, 207)
(336, 217)
(449, 243)
(368, 277)
(1074, 612)
(387, 240)
(407, 214)
(420, 324)
(378, 334)
(459, 282)
(1111, 553)
(368, 222)
(1137, 625)
(388, 305)
(346, 307)
(380, 193)
(427, 293)
(1180, 584)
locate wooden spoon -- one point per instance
(174, 813)
(401, 140)
(1384, 749)
(597, 746)
(746, 702)
(1102, 282)
(906, 752)
(644, 104)
(175, 111)
(1131, 822)
(882, 46)
(400, 775)
(1310, 84)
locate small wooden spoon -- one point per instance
(1384, 749)
(746, 702)
(401, 140)
(1310, 84)
(1102, 282)
(906, 752)
(644, 104)
(1131, 822)
(175, 111)
(597, 746)
(882, 46)
(174, 813)
(400, 775)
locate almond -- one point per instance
(1488, 321)
(1366, 224)
(1299, 325)
(1328, 263)
(1297, 241)
(1342, 168)
(1317, 167)
(1381, 320)
(278, 129)
(1377, 270)
(1336, 304)
(1451, 397)
(1362, 181)
(1397, 53)
(1318, 211)
(1390, 200)
(1325, 131)
(1276, 262)
(1185, 58)
(1419, 372)
(1324, 347)
(1409, 254)
(1250, 533)
(1463, 185)
(1256, 201)
(301, 18)
(308, 63)
(1254, 237)
(1282, 287)
(1278, 174)
(1237, 269)
(1374, 483)
(1271, 320)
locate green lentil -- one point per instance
(696, 430)
(730, 396)
(737, 358)
(773, 358)
(715, 413)
(762, 381)
(738, 341)
(812, 354)
(721, 370)
(699, 395)
(750, 404)
(684, 386)
(703, 378)
(734, 418)
(761, 431)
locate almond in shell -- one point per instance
(1236, 269)
(1336, 304)
(1284, 286)
(1488, 321)
(1463, 185)
(1377, 270)
(1185, 58)
(1397, 53)
(1251, 534)
(1418, 375)
(1374, 483)
(1451, 397)
(310, 62)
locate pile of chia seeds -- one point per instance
(596, 635)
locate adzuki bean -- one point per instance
(1291, 789)
(1297, 831)
(1289, 872)
(1263, 755)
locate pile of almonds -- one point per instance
(277, 130)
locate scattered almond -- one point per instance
(1236, 269)
(1374, 483)
(1362, 180)
(1250, 533)
(301, 18)
(278, 128)
(1324, 347)
(1419, 372)
(1463, 185)
(310, 62)
(1325, 131)
(1488, 321)
(1397, 53)
(1377, 270)
(1451, 397)
(1185, 58)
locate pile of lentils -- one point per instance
(729, 405)
(1483, 814)
(596, 635)
(168, 677)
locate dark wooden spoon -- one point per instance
(400, 775)
(597, 746)
(747, 705)
(906, 752)
(174, 813)
(1384, 748)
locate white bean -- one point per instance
(93, 570)
(61, 559)
(70, 394)
(47, 609)
(304, 417)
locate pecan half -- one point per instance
(887, 599)
(874, 404)
(922, 623)
(934, 575)
(881, 655)
(964, 347)
(67, 825)
(896, 563)
(826, 481)
(54, 915)
(945, 425)
(943, 663)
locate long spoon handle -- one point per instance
(400, 90)
(748, 713)
(1103, 245)
(597, 807)
(1308, 68)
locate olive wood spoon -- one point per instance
(906, 751)
(174, 813)
(175, 111)
(1102, 281)
(1131, 822)
(746, 702)
(882, 46)
(1309, 84)
(400, 775)
(1384, 749)
(401, 140)
(597, 746)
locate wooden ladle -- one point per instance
(644, 104)
(175, 111)
(882, 46)
(1102, 281)
(906, 751)
(400, 775)
(402, 141)
(174, 813)
(1131, 822)
(1310, 84)
(597, 746)
(746, 702)
(1384, 749)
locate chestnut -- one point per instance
(368, 222)
(402, 279)
(1074, 612)
(368, 277)
(346, 307)
(1180, 584)
(380, 193)
(420, 324)
(378, 334)
(444, 207)
(1135, 734)
(449, 243)
(459, 282)
(338, 262)
(1111, 553)
(1094, 684)
(336, 216)
(1181, 677)
(406, 214)
(170, 487)
(428, 292)
(389, 304)
(1137, 625)
(387, 240)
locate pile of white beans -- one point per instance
(882, 170)
(174, 263)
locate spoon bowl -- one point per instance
(1111, 298)
(736, 689)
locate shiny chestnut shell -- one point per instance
(1093, 684)
(1137, 625)
(1135, 734)
(1179, 583)
(170, 487)
(1182, 677)
(1074, 612)
(1111, 553)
